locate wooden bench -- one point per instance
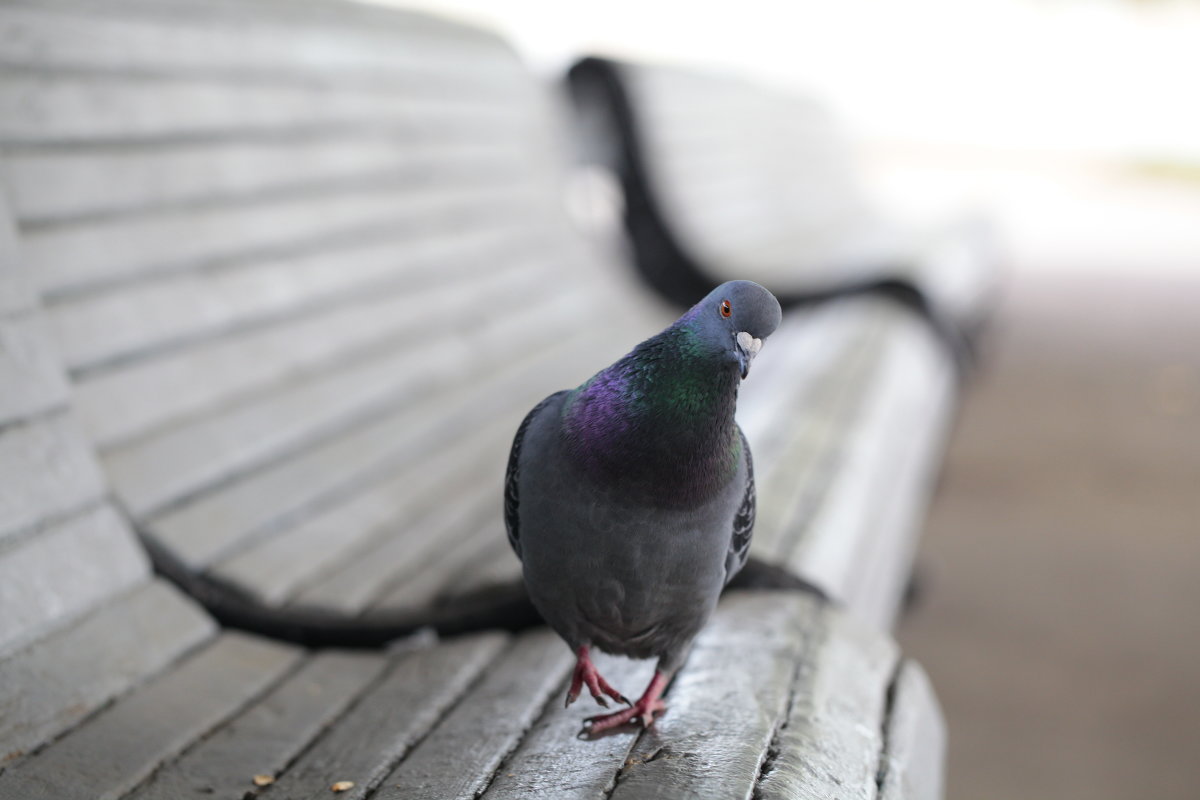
(724, 176)
(277, 281)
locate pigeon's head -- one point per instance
(734, 318)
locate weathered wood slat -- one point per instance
(467, 539)
(205, 529)
(162, 469)
(807, 443)
(829, 744)
(381, 727)
(70, 108)
(52, 685)
(87, 255)
(495, 565)
(16, 283)
(458, 759)
(726, 703)
(46, 470)
(63, 571)
(188, 307)
(31, 375)
(912, 767)
(553, 762)
(56, 185)
(245, 40)
(111, 753)
(924, 410)
(399, 508)
(135, 398)
(858, 541)
(264, 739)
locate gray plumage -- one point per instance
(630, 499)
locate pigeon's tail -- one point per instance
(504, 606)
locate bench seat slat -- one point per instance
(50, 686)
(389, 719)
(832, 739)
(916, 734)
(553, 762)
(860, 540)
(111, 753)
(264, 739)
(457, 759)
(726, 703)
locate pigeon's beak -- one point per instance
(747, 349)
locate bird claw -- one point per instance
(641, 712)
(585, 673)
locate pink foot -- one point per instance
(585, 672)
(649, 704)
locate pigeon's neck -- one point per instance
(659, 423)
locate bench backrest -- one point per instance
(728, 177)
(81, 620)
(308, 266)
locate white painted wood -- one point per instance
(162, 469)
(914, 762)
(265, 739)
(203, 530)
(858, 543)
(111, 753)
(67, 108)
(16, 284)
(63, 572)
(211, 40)
(57, 185)
(726, 703)
(808, 439)
(46, 470)
(390, 719)
(134, 398)
(830, 742)
(552, 762)
(93, 253)
(457, 760)
(276, 567)
(31, 377)
(50, 686)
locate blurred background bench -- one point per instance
(279, 281)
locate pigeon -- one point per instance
(630, 499)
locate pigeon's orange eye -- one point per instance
(726, 309)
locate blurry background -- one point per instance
(1058, 616)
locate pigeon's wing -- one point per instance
(512, 475)
(743, 521)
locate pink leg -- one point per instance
(585, 672)
(649, 704)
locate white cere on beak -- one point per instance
(748, 343)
